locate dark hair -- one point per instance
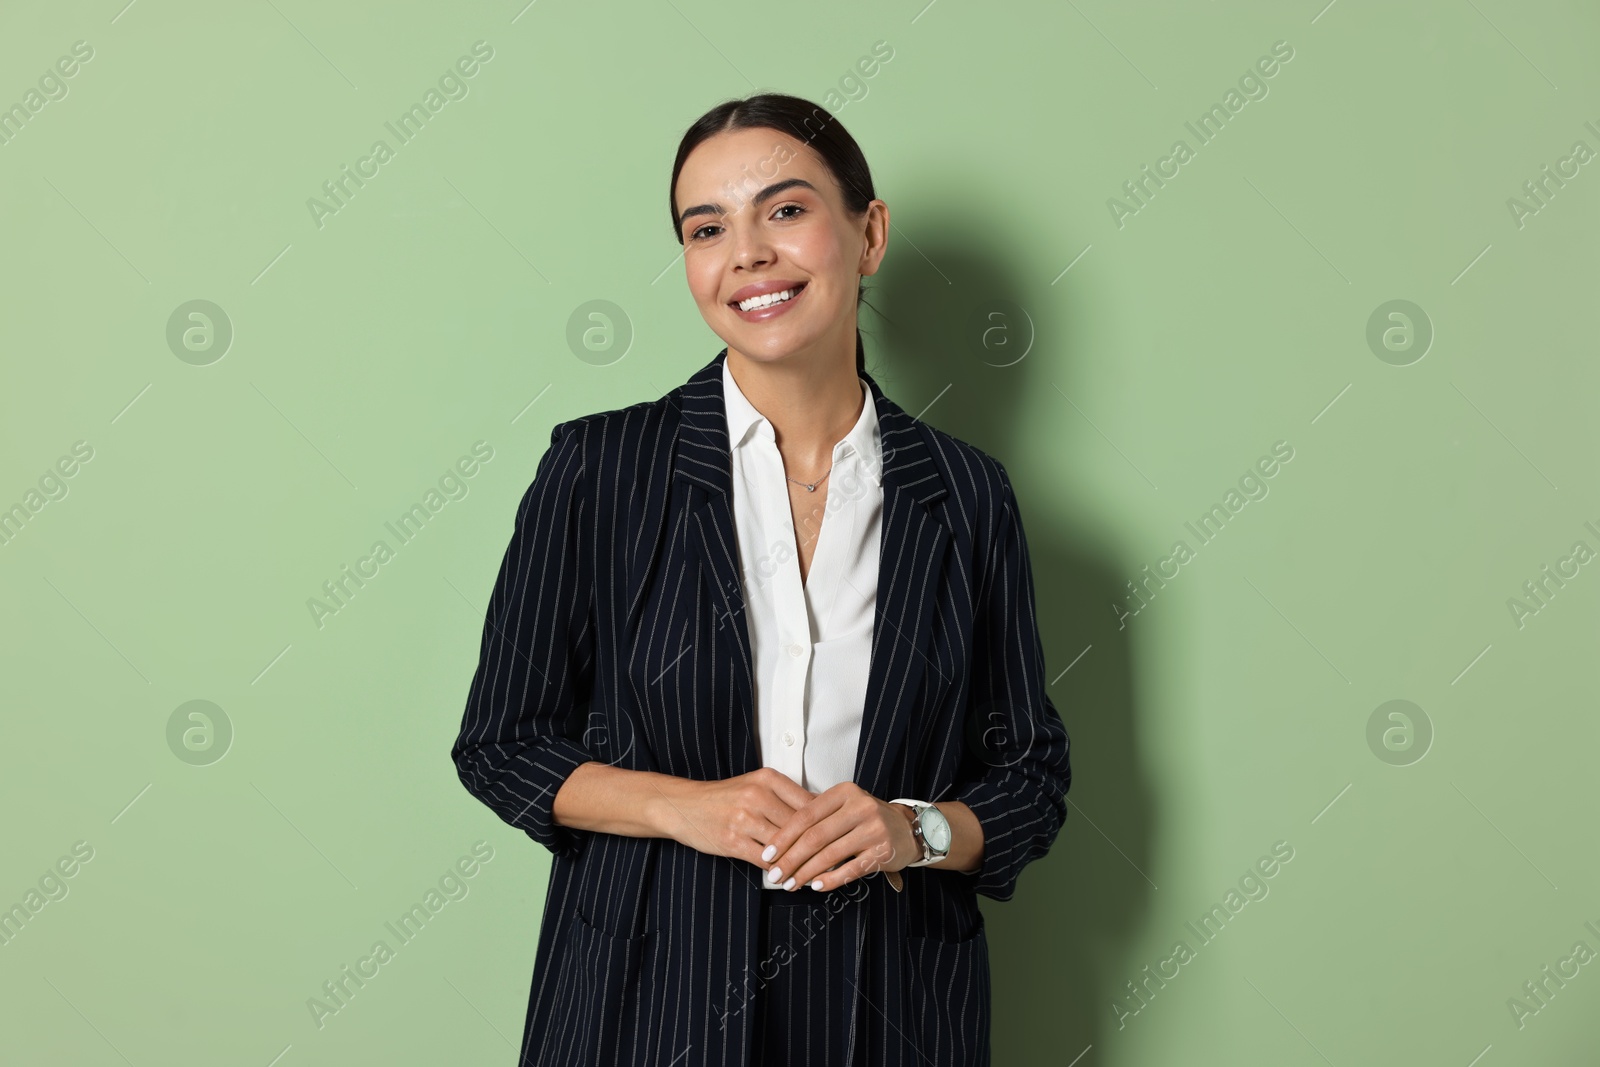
(807, 123)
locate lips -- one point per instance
(772, 311)
(777, 285)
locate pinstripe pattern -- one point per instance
(615, 632)
(800, 1010)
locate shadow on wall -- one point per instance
(1076, 906)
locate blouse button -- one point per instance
(796, 650)
(788, 739)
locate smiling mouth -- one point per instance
(766, 301)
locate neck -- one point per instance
(811, 402)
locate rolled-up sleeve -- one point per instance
(520, 734)
(1017, 750)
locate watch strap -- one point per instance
(918, 806)
(893, 877)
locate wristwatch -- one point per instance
(930, 829)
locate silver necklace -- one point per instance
(812, 486)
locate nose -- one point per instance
(751, 249)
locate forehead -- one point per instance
(746, 159)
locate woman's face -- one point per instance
(743, 224)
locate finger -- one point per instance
(788, 790)
(757, 828)
(852, 870)
(880, 857)
(767, 823)
(813, 842)
(801, 820)
(763, 821)
(851, 857)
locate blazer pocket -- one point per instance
(949, 996)
(597, 995)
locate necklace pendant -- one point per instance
(810, 487)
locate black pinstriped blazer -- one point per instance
(616, 632)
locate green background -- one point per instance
(1434, 871)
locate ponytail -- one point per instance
(861, 350)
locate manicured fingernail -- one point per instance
(775, 874)
(790, 883)
(768, 852)
(816, 883)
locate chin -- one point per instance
(771, 349)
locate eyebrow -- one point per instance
(760, 198)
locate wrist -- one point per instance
(662, 804)
(912, 849)
(932, 834)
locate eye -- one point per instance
(700, 234)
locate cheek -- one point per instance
(703, 282)
(822, 253)
(813, 248)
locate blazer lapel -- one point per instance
(703, 457)
(910, 566)
(910, 562)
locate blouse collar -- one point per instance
(862, 441)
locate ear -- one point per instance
(875, 238)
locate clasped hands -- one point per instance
(827, 839)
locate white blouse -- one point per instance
(811, 642)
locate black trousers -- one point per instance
(799, 1020)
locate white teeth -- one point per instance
(768, 300)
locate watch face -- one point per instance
(936, 829)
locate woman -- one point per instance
(761, 667)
